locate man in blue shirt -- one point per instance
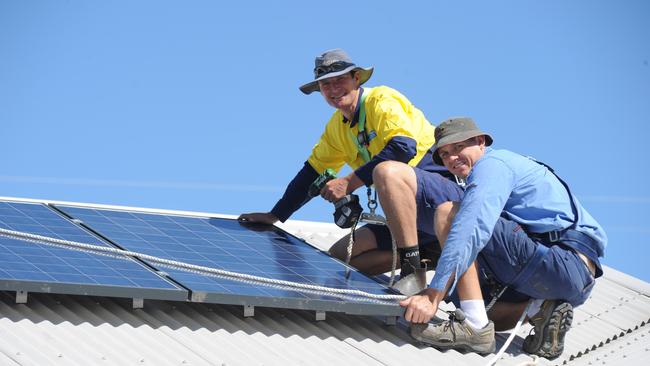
(518, 225)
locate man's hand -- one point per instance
(335, 189)
(258, 218)
(422, 307)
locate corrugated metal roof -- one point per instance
(611, 328)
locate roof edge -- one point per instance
(626, 280)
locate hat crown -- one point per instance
(454, 126)
(331, 61)
(331, 56)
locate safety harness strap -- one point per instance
(570, 236)
(577, 240)
(555, 235)
(361, 139)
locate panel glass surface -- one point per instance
(226, 244)
(27, 262)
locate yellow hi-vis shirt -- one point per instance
(388, 114)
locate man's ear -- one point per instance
(480, 140)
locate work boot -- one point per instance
(551, 323)
(457, 334)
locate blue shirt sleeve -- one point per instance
(295, 196)
(488, 189)
(399, 148)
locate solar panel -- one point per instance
(32, 267)
(228, 245)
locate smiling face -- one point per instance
(341, 92)
(460, 157)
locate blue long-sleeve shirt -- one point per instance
(526, 192)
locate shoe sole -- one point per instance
(462, 348)
(548, 340)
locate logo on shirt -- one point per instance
(372, 135)
(364, 139)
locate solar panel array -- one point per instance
(41, 267)
(224, 244)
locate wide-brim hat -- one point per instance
(455, 130)
(334, 63)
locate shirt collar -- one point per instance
(355, 120)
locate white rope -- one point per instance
(348, 257)
(288, 288)
(278, 286)
(503, 348)
(394, 264)
(350, 244)
(203, 269)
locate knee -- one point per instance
(446, 211)
(364, 241)
(338, 250)
(389, 171)
(444, 216)
(335, 251)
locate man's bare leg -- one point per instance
(396, 186)
(468, 285)
(365, 255)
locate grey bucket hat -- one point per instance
(455, 130)
(334, 63)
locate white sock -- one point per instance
(475, 314)
(534, 307)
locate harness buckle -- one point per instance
(362, 138)
(553, 236)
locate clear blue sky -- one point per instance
(195, 105)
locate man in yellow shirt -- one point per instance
(385, 140)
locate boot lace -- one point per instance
(449, 324)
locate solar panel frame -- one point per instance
(131, 234)
(32, 267)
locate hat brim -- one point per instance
(458, 137)
(312, 86)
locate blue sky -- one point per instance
(195, 105)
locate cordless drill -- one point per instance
(320, 182)
(346, 210)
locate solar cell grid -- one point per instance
(41, 267)
(227, 245)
